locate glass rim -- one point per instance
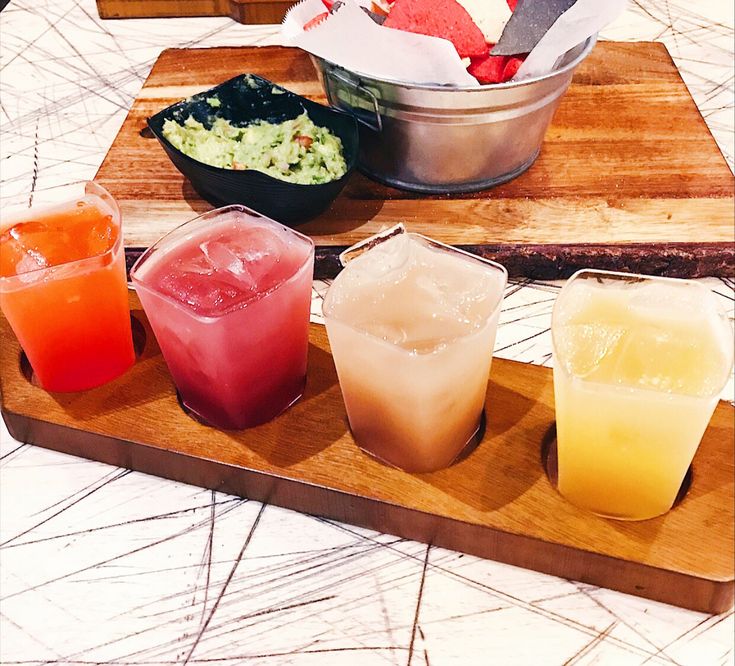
(458, 250)
(635, 278)
(400, 229)
(174, 236)
(630, 277)
(91, 188)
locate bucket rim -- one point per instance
(589, 44)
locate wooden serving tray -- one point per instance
(244, 11)
(496, 503)
(629, 177)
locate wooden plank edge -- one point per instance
(554, 262)
(117, 9)
(237, 10)
(546, 262)
(679, 589)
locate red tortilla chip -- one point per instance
(511, 67)
(488, 69)
(439, 18)
(495, 69)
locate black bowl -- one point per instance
(244, 99)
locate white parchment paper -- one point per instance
(350, 38)
(582, 20)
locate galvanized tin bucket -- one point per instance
(437, 139)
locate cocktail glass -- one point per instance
(639, 363)
(411, 324)
(228, 296)
(63, 288)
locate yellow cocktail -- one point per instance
(639, 363)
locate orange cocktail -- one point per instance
(63, 290)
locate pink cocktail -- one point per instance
(228, 297)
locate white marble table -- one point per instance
(100, 565)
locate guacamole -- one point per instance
(295, 150)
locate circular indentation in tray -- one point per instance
(190, 412)
(474, 441)
(549, 461)
(27, 370)
(139, 340)
(139, 336)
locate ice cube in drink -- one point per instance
(638, 366)
(63, 290)
(412, 324)
(228, 297)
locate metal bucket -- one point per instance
(438, 139)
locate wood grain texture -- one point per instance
(628, 173)
(243, 11)
(259, 11)
(496, 503)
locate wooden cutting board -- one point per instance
(629, 177)
(496, 503)
(244, 11)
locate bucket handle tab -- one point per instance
(375, 122)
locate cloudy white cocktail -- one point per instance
(412, 324)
